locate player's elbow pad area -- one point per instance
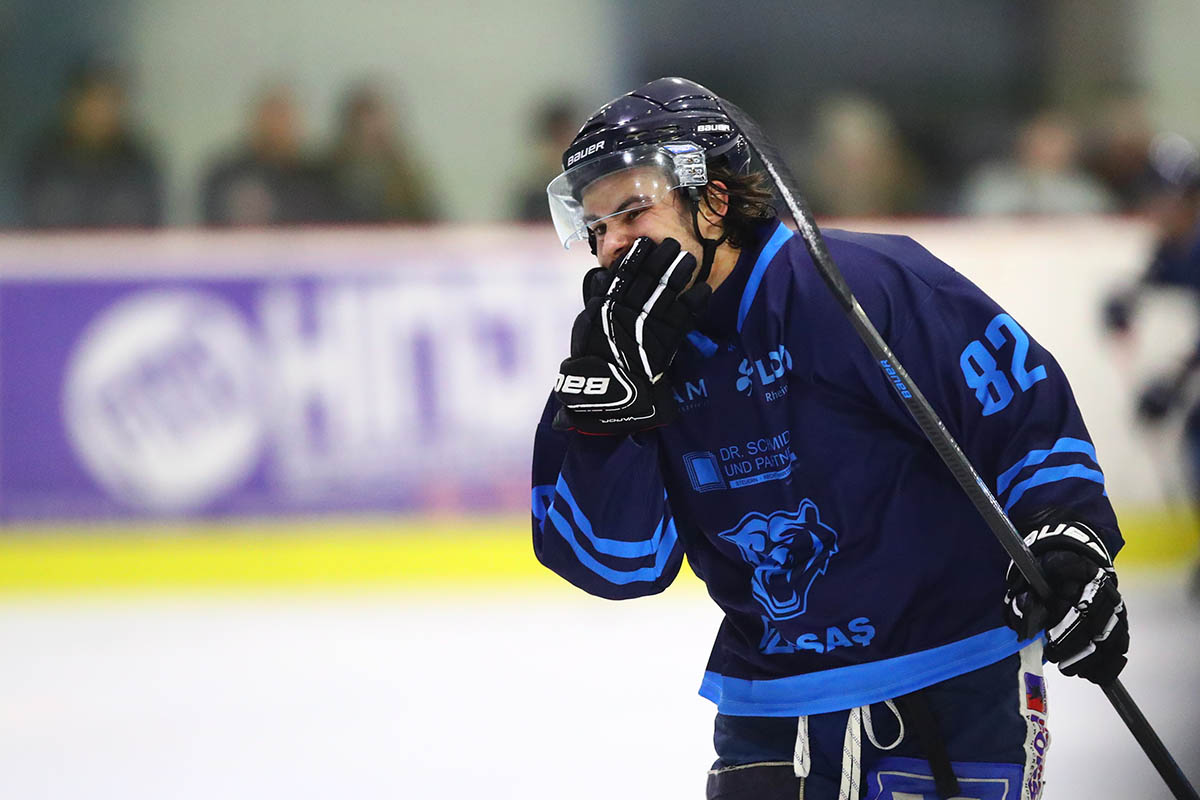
(615, 568)
(600, 587)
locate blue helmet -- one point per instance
(1174, 164)
(671, 123)
(663, 110)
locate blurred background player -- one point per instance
(716, 403)
(1118, 150)
(1174, 209)
(90, 169)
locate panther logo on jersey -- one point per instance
(788, 550)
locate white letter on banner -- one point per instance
(514, 329)
(314, 341)
(403, 322)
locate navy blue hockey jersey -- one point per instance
(850, 566)
(1176, 264)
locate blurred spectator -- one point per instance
(374, 174)
(1118, 153)
(859, 166)
(89, 170)
(1043, 177)
(555, 125)
(269, 181)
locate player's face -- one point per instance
(633, 203)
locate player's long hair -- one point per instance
(751, 202)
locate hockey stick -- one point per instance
(938, 436)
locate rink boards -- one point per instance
(302, 407)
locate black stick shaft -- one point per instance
(1146, 736)
(948, 449)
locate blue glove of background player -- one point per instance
(635, 318)
(1087, 629)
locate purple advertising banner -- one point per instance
(274, 373)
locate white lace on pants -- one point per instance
(859, 719)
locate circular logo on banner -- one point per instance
(161, 399)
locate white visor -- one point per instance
(653, 172)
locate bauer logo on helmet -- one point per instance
(584, 153)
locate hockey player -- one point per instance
(716, 404)
(1174, 209)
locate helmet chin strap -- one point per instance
(708, 246)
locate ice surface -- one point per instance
(399, 695)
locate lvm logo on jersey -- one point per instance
(765, 372)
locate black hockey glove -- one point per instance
(1118, 313)
(1087, 630)
(1158, 399)
(635, 318)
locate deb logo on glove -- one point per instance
(579, 384)
(635, 317)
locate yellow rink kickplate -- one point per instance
(402, 551)
(398, 552)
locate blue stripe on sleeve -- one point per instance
(614, 576)
(777, 240)
(610, 547)
(1050, 475)
(1033, 457)
(543, 496)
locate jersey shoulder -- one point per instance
(885, 272)
(885, 256)
(868, 261)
